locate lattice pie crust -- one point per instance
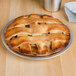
(36, 35)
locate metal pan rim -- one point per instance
(37, 58)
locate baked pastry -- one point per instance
(37, 35)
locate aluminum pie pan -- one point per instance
(33, 57)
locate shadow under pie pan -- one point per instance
(34, 57)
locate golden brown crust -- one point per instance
(36, 35)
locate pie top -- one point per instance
(36, 35)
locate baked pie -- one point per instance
(37, 35)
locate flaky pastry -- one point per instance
(37, 35)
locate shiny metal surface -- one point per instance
(37, 58)
(52, 5)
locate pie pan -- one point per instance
(33, 57)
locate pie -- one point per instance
(37, 35)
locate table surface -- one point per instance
(12, 65)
